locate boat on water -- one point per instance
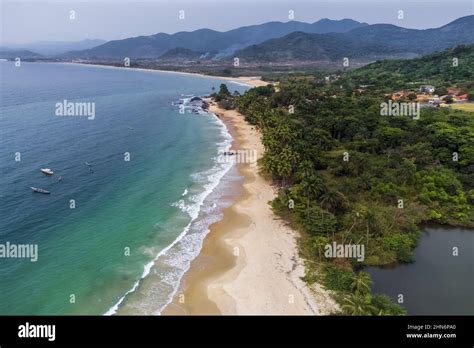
(40, 190)
(47, 171)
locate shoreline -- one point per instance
(248, 246)
(252, 81)
(128, 303)
(118, 307)
(249, 262)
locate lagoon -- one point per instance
(437, 282)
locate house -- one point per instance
(461, 98)
(331, 78)
(427, 89)
(454, 90)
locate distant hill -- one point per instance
(180, 53)
(50, 48)
(459, 31)
(9, 53)
(371, 42)
(207, 40)
(300, 46)
(437, 66)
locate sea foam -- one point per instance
(190, 244)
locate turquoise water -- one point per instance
(135, 205)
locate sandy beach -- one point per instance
(249, 262)
(254, 81)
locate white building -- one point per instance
(427, 89)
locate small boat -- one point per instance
(47, 171)
(87, 164)
(39, 190)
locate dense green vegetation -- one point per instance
(443, 69)
(348, 175)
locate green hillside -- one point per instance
(438, 68)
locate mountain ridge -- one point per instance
(208, 40)
(370, 42)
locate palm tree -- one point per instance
(284, 133)
(358, 305)
(361, 283)
(269, 164)
(312, 187)
(306, 170)
(332, 200)
(287, 159)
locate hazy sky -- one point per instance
(25, 21)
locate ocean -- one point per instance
(134, 189)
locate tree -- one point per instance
(448, 99)
(224, 91)
(312, 187)
(385, 306)
(317, 222)
(361, 283)
(441, 91)
(316, 246)
(333, 200)
(287, 159)
(370, 217)
(358, 305)
(406, 171)
(305, 170)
